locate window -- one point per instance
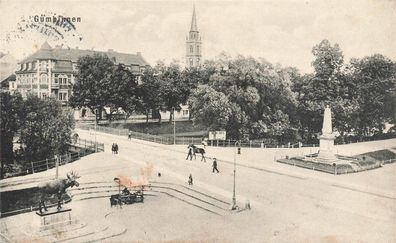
(185, 112)
(43, 64)
(62, 96)
(62, 79)
(197, 48)
(44, 95)
(191, 62)
(191, 49)
(43, 78)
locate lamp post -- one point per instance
(96, 121)
(234, 204)
(174, 125)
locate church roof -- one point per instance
(194, 22)
(47, 52)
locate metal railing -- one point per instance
(338, 169)
(88, 145)
(187, 140)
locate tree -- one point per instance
(374, 80)
(148, 90)
(210, 107)
(10, 113)
(174, 89)
(123, 91)
(256, 95)
(93, 87)
(45, 128)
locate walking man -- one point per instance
(129, 135)
(215, 166)
(116, 148)
(190, 152)
(113, 148)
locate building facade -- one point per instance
(193, 44)
(50, 72)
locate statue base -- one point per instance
(55, 218)
(326, 150)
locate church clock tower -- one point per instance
(193, 44)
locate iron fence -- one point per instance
(188, 140)
(85, 147)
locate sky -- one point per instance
(280, 31)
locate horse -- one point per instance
(198, 150)
(56, 187)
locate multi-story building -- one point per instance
(51, 71)
(193, 44)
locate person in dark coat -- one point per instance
(190, 152)
(190, 179)
(113, 148)
(215, 165)
(116, 148)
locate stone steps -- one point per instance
(200, 199)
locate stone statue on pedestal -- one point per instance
(326, 150)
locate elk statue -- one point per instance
(58, 187)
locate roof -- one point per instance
(4, 82)
(46, 52)
(12, 77)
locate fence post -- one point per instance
(250, 143)
(32, 168)
(47, 163)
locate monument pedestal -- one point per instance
(55, 218)
(326, 153)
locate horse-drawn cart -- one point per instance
(126, 198)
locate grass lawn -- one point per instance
(183, 128)
(379, 155)
(365, 161)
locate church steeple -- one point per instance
(193, 44)
(194, 22)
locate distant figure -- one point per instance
(190, 180)
(205, 142)
(190, 152)
(75, 138)
(116, 148)
(113, 148)
(159, 174)
(126, 191)
(247, 205)
(215, 166)
(129, 135)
